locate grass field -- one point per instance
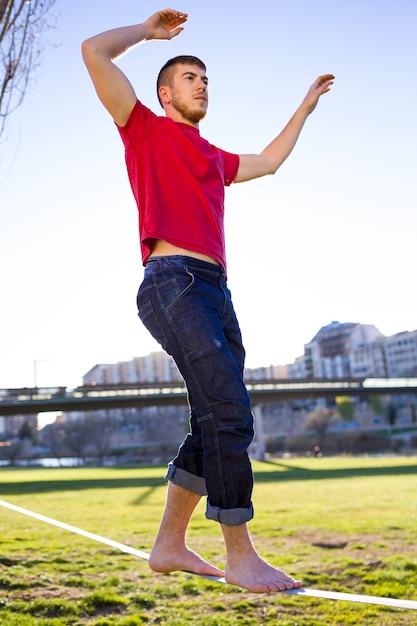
(342, 524)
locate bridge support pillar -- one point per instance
(257, 447)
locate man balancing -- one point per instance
(178, 181)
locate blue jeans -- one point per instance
(186, 305)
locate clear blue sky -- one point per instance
(330, 237)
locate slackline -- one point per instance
(313, 593)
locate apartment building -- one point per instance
(356, 350)
(401, 354)
(155, 367)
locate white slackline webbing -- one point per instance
(313, 593)
(74, 529)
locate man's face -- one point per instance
(189, 92)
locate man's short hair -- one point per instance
(165, 75)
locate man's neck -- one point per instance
(180, 119)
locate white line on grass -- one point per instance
(313, 593)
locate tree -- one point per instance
(26, 431)
(391, 414)
(88, 436)
(76, 438)
(98, 430)
(53, 436)
(22, 24)
(346, 408)
(319, 420)
(377, 405)
(12, 450)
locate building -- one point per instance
(338, 350)
(329, 353)
(159, 367)
(266, 373)
(401, 354)
(353, 350)
(155, 367)
(369, 360)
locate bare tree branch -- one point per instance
(22, 26)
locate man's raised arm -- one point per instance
(112, 86)
(269, 160)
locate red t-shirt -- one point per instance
(178, 180)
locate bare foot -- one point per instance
(170, 558)
(254, 574)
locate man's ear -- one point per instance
(165, 94)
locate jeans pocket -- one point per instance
(172, 291)
(157, 298)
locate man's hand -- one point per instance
(320, 86)
(165, 24)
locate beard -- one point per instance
(191, 115)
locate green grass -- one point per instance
(343, 524)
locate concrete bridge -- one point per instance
(27, 401)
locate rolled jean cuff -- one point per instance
(229, 517)
(186, 480)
